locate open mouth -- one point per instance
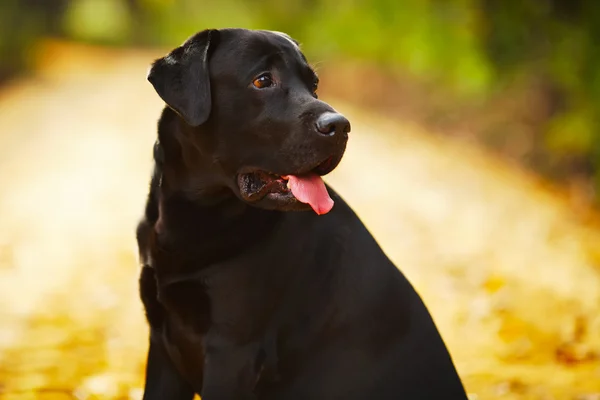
(307, 187)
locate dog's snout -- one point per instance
(332, 123)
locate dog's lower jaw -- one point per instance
(274, 202)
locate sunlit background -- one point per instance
(474, 159)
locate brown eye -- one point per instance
(263, 81)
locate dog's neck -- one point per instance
(201, 235)
(184, 170)
(183, 177)
(199, 213)
(218, 222)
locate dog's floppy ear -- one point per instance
(182, 80)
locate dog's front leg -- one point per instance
(162, 379)
(230, 372)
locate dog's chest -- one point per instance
(229, 306)
(234, 298)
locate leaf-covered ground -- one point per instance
(510, 271)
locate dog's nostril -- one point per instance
(331, 123)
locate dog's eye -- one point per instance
(263, 81)
(315, 86)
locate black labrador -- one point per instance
(258, 280)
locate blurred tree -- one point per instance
(21, 23)
(472, 49)
(556, 41)
(101, 21)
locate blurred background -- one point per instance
(474, 159)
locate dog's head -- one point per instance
(248, 119)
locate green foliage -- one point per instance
(471, 48)
(560, 42)
(17, 34)
(98, 20)
(436, 41)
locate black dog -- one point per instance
(246, 299)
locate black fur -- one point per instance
(249, 300)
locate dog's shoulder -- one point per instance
(145, 229)
(151, 211)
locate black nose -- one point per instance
(332, 123)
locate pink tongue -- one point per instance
(310, 189)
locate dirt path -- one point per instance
(510, 276)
